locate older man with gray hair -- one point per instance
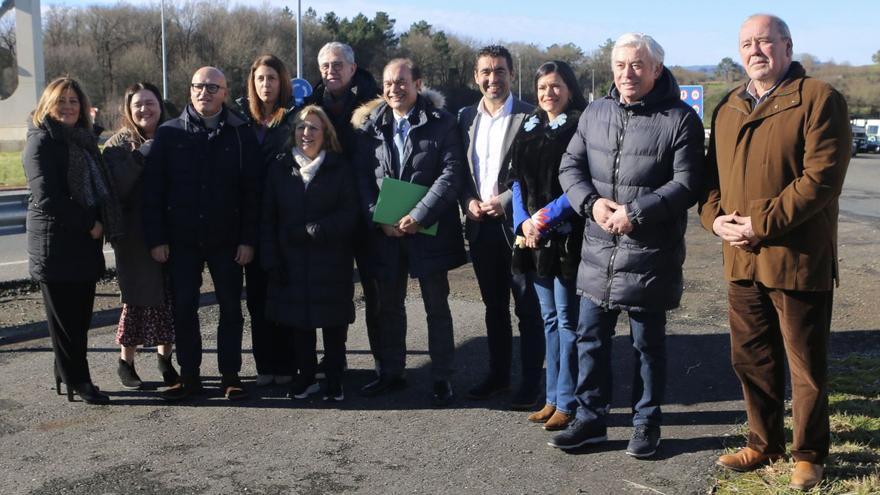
(632, 170)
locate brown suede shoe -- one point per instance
(747, 459)
(559, 421)
(543, 415)
(806, 475)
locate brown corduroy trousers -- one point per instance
(768, 326)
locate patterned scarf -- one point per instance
(88, 179)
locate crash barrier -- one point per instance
(13, 211)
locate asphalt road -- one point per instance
(397, 443)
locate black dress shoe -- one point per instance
(90, 394)
(383, 384)
(442, 393)
(491, 385)
(186, 386)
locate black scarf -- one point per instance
(88, 179)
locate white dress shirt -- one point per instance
(488, 147)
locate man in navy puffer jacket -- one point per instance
(632, 170)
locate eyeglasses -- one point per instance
(336, 66)
(211, 88)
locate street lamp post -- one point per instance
(164, 57)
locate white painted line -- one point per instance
(13, 263)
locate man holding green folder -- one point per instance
(409, 162)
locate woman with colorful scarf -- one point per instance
(548, 232)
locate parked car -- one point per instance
(873, 145)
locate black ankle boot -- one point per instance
(89, 393)
(166, 368)
(128, 376)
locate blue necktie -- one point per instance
(399, 141)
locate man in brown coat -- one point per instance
(777, 159)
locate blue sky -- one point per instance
(692, 32)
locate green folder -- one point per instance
(397, 199)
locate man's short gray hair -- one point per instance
(341, 48)
(780, 25)
(640, 40)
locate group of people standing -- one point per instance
(577, 211)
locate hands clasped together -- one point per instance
(737, 230)
(611, 217)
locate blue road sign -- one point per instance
(301, 90)
(693, 96)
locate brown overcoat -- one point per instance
(141, 279)
(782, 164)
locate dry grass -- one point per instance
(854, 464)
(11, 173)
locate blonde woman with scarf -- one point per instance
(72, 209)
(309, 215)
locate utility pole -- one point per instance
(299, 53)
(164, 57)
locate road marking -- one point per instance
(13, 263)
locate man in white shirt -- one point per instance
(488, 129)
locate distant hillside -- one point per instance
(860, 85)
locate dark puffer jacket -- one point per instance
(362, 90)
(60, 248)
(201, 187)
(648, 156)
(433, 158)
(307, 243)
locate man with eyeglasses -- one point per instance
(201, 208)
(343, 87)
(778, 155)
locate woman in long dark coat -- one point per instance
(549, 232)
(71, 209)
(269, 107)
(310, 210)
(146, 318)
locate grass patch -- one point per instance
(11, 173)
(853, 467)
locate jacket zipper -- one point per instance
(616, 171)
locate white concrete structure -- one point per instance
(31, 74)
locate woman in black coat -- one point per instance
(549, 233)
(269, 108)
(309, 214)
(146, 318)
(71, 209)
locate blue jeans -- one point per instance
(648, 339)
(559, 310)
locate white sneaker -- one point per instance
(303, 392)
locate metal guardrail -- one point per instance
(13, 211)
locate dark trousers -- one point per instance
(491, 256)
(270, 344)
(370, 287)
(185, 267)
(304, 345)
(768, 326)
(392, 315)
(68, 315)
(648, 338)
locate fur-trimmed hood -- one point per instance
(369, 113)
